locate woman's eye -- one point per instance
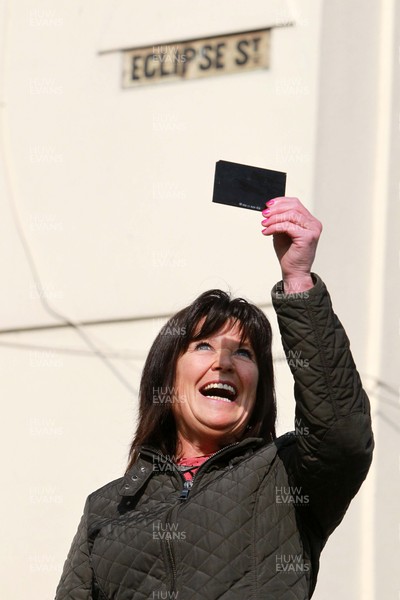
(201, 345)
(244, 352)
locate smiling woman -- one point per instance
(213, 505)
(217, 340)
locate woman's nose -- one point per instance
(223, 361)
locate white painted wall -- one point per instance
(112, 191)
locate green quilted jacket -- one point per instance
(258, 514)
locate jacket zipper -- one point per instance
(170, 553)
(166, 541)
(187, 486)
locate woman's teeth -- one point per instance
(222, 391)
(219, 398)
(220, 386)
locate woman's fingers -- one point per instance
(295, 232)
(293, 224)
(283, 203)
(291, 219)
(288, 215)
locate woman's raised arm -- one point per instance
(334, 440)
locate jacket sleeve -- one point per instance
(334, 441)
(76, 578)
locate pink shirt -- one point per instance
(194, 462)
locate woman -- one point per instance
(212, 504)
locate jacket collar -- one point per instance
(136, 477)
(142, 470)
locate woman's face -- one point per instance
(215, 386)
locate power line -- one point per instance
(97, 322)
(87, 323)
(63, 350)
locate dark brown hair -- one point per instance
(156, 425)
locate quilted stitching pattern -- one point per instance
(232, 539)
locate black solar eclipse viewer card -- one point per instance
(246, 187)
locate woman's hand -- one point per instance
(296, 233)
